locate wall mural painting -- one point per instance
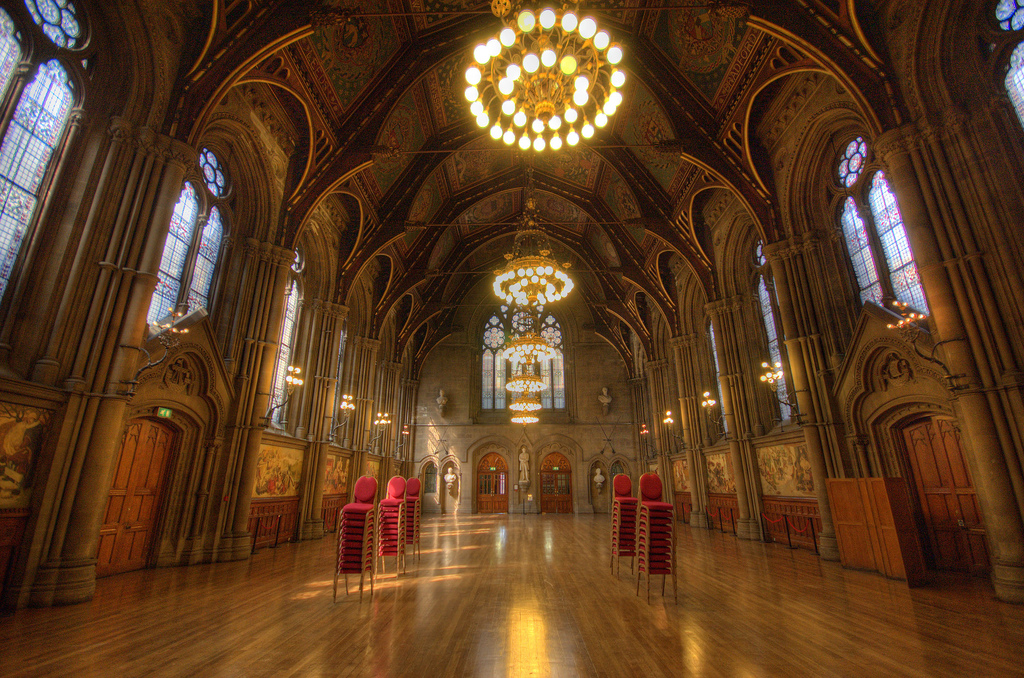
(336, 478)
(703, 42)
(649, 126)
(402, 131)
(22, 429)
(278, 472)
(720, 474)
(679, 473)
(785, 471)
(348, 54)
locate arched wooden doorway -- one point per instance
(126, 536)
(555, 484)
(492, 484)
(952, 529)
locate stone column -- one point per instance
(657, 389)
(940, 239)
(722, 314)
(685, 353)
(138, 203)
(803, 349)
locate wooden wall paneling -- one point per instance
(684, 506)
(273, 520)
(854, 526)
(799, 514)
(12, 529)
(330, 509)
(723, 511)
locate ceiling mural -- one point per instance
(558, 210)
(647, 124)
(446, 84)
(346, 56)
(442, 6)
(442, 248)
(490, 209)
(576, 165)
(427, 201)
(403, 131)
(619, 198)
(702, 42)
(471, 166)
(602, 244)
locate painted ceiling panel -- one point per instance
(403, 131)
(647, 124)
(702, 42)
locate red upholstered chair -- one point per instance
(412, 514)
(624, 506)
(655, 536)
(391, 524)
(357, 535)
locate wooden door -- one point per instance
(555, 484)
(492, 484)
(134, 500)
(949, 505)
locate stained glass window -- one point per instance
(774, 350)
(206, 261)
(1010, 14)
(172, 261)
(284, 352)
(891, 232)
(34, 132)
(430, 479)
(493, 365)
(616, 469)
(10, 52)
(213, 174)
(1015, 81)
(58, 19)
(553, 371)
(851, 163)
(859, 249)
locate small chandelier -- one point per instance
(548, 75)
(525, 382)
(532, 277)
(528, 402)
(525, 418)
(529, 348)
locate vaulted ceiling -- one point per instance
(373, 96)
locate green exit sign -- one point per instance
(554, 468)
(494, 468)
(164, 412)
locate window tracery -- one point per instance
(58, 19)
(284, 352)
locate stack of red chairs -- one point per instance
(623, 520)
(357, 536)
(412, 514)
(655, 536)
(391, 525)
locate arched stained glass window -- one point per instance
(1015, 81)
(493, 365)
(206, 260)
(284, 352)
(616, 469)
(906, 284)
(10, 51)
(430, 478)
(58, 19)
(772, 333)
(553, 371)
(874, 233)
(175, 254)
(35, 131)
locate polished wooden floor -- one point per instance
(522, 596)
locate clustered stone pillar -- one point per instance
(658, 390)
(724, 316)
(685, 350)
(638, 388)
(320, 337)
(360, 376)
(141, 184)
(965, 316)
(792, 263)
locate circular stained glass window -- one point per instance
(58, 19)
(759, 254)
(212, 173)
(1010, 14)
(494, 337)
(852, 161)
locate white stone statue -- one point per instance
(442, 401)
(524, 465)
(450, 478)
(598, 478)
(605, 400)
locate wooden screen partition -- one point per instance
(273, 521)
(684, 506)
(331, 510)
(795, 514)
(875, 527)
(723, 511)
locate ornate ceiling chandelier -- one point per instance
(548, 76)
(525, 382)
(529, 348)
(525, 418)
(527, 402)
(532, 277)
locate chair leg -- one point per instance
(361, 575)
(648, 584)
(638, 583)
(663, 578)
(675, 585)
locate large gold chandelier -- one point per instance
(548, 76)
(529, 348)
(525, 382)
(532, 277)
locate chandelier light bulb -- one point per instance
(582, 82)
(531, 63)
(572, 138)
(588, 27)
(481, 54)
(524, 142)
(473, 75)
(614, 54)
(507, 37)
(538, 145)
(556, 142)
(618, 78)
(601, 39)
(472, 93)
(493, 47)
(526, 21)
(505, 86)
(609, 107)
(548, 18)
(482, 120)
(509, 137)
(538, 125)
(548, 58)
(555, 122)
(587, 131)
(476, 108)
(580, 97)
(519, 118)
(513, 71)
(508, 107)
(615, 98)
(568, 64)
(571, 115)
(569, 22)
(601, 119)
